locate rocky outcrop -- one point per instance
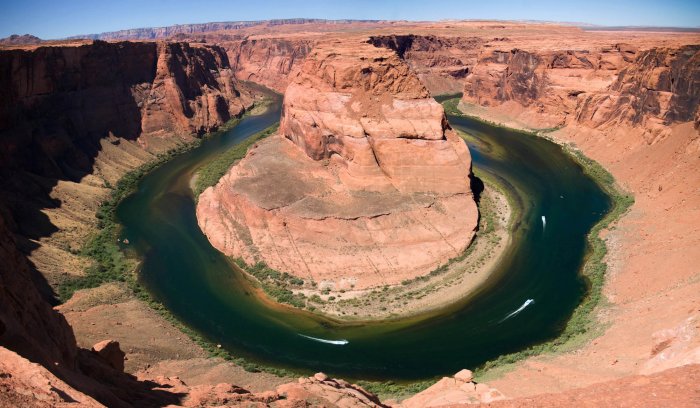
(661, 87)
(267, 61)
(454, 391)
(111, 353)
(365, 185)
(27, 384)
(16, 39)
(441, 63)
(602, 88)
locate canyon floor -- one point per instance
(649, 322)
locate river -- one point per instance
(527, 300)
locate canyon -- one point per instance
(76, 116)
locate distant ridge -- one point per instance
(154, 33)
(641, 28)
(16, 39)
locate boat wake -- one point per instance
(544, 223)
(340, 342)
(518, 310)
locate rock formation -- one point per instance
(16, 39)
(267, 61)
(661, 87)
(454, 391)
(441, 63)
(74, 118)
(602, 88)
(365, 185)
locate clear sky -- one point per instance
(60, 18)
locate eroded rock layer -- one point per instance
(365, 185)
(74, 118)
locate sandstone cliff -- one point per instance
(74, 119)
(600, 88)
(267, 61)
(661, 87)
(366, 184)
(441, 63)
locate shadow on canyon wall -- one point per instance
(58, 107)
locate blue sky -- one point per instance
(61, 18)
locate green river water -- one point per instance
(526, 301)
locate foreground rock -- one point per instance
(111, 353)
(453, 391)
(365, 185)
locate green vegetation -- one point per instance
(450, 106)
(109, 262)
(581, 325)
(275, 283)
(210, 174)
(390, 389)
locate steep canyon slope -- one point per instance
(365, 185)
(75, 118)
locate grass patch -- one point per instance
(210, 174)
(390, 389)
(450, 107)
(275, 283)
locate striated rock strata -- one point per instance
(267, 61)
(441, 63)
(365, 185)
(75, 118)
(602, 88)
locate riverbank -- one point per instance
(649, 293)
(582, 325)
(110, 302)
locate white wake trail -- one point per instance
(544, 223)
(340, 342)
(518, 310)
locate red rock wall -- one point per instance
(661, 87)
(56, 106)
(599, 88)
(57, 102)
(28, 324)
(441, 63)
(267, 61)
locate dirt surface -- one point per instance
(153, 346)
